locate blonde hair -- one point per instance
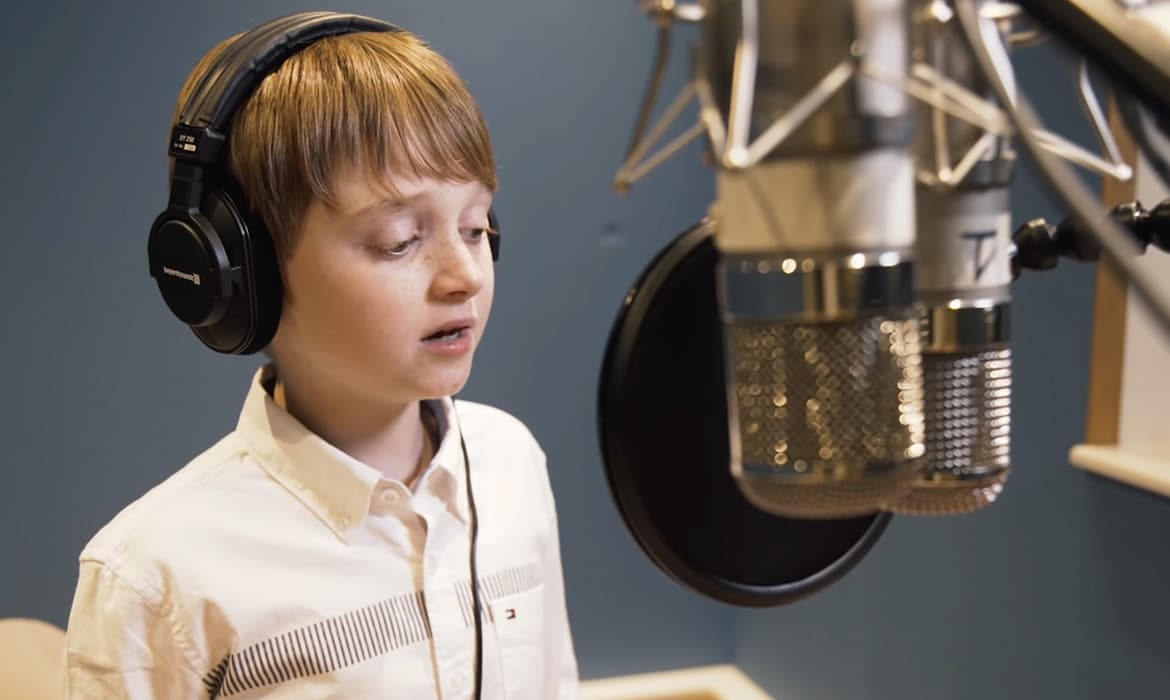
(381, 103)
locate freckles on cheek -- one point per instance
(381, 312)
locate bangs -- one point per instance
(383, 104)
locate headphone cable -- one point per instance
(475, 601)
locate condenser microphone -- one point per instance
(964, 248)
(963, 278)
(815, 224)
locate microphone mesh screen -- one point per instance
(828, 414)
(968, 428)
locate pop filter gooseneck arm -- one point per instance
(1131, 49)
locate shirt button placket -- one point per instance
(446, 614)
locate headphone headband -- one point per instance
(241, 42)
(204, 120)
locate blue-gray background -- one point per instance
(1057, 591)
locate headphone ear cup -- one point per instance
(191, 267)
(494, 235)
(217, 271)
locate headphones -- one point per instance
(210, 254)
(213, 259)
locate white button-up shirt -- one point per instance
(274, 565)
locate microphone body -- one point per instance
(963, 280)
(817, 235)
(966, 357)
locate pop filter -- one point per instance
(662, 423)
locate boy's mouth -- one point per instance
(451, 331)
(446, 335)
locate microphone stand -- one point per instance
(1039, 245)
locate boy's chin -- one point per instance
(442, 387)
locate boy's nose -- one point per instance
(459, 268)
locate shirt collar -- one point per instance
(446, 474)
(337, 488)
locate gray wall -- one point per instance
(1054, 592)
(105, 394)
(1058, 590)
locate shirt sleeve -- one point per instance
(562, 681)
(121, 644)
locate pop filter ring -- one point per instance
(662, 425)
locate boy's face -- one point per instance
(385, 299)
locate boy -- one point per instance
(321, 549)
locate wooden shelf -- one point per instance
(1146, 468)
(720, 682)
(1127, 436)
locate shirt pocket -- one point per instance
(518, 621)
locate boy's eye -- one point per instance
(476, 233)
(396, 250)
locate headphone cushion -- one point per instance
(254, 312)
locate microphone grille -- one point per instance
(968, 430)
(827, 415)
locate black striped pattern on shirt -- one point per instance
(323, 647)
(353, 637)
(498, 585)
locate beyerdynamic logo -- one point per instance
(189, 276)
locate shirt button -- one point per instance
(343, 522)
(390, 497)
